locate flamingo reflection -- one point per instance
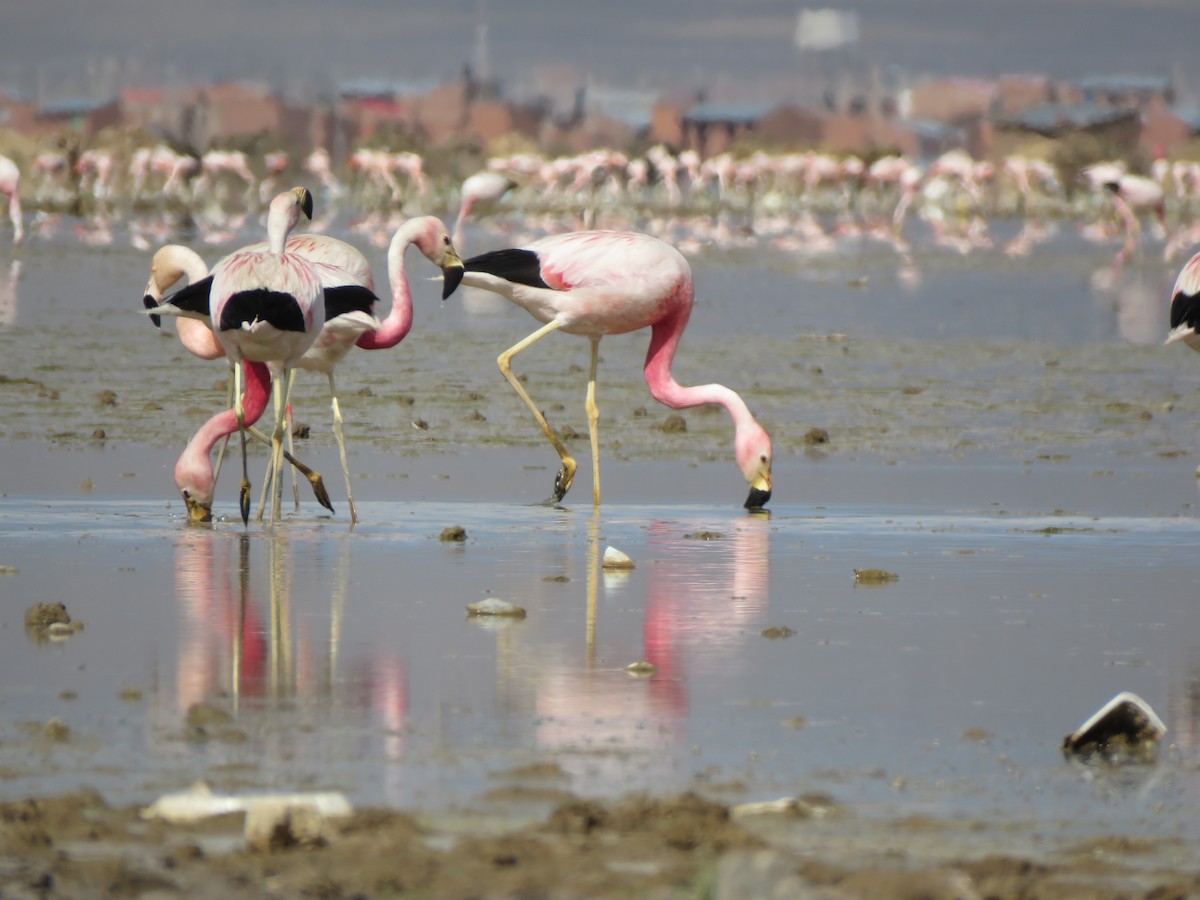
(8, 293)
(700, 597)
(241, 644)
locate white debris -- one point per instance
(615, 559)
(494, 606)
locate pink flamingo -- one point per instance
(1135, 194)
(1185, 305)
(10, 187)
(480, 188)
(195, 475)
(269, 306)
(350, 301)
(595, 283)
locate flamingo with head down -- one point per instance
(596, 283)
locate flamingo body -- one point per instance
(596, 283)
(1185, 305)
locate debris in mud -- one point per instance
(453, 533)
(273, 821)
(57, 731)
(641, 668)
(494, 606)
(301, 431)
(9, 570)
(816, 436)
(49, 622)
(99, 434)
(106, 398)
(672, 424)
(874, 576)
(615, 559)
(703, 536)
(204, 722)
(775, 632)
(1124, 730)
(420, 424)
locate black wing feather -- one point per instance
(347, 298)
(276, 308)
(517, 266)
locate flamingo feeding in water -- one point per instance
(595, 283)
(195, 476)
(350, 300)
(10, 187)
(268, 306)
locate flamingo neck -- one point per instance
(198, 338)
(194, 471)
(664, 340)
(399, 319)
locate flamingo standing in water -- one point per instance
(10, 187)
(195, 476)
(480, 188)
(268, 306)
(595, 283)
(350, 300)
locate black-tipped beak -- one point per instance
(758, 498)
(150, 303)
(452, 276)
(306, 201)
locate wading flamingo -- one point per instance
(268, 306)
(595, 283)
(350, 300)
(195, 476)
(481, 188)
(10, 187)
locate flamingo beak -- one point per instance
(304, 197)
(452, 273)
(760, 492)
(150, 303)
(198, 513)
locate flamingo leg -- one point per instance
(239, 410)
(593, 417)
(229, 399)
(341, 442)
(279, 388)
(562, 482)
(291, 447)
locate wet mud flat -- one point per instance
(1022, 468)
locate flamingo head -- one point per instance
(304, 201)
(195, 483)
(753, 452)
(433, 240)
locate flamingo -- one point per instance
(10, 187)
(350, 300)
(595, 283)
(482, 187)
(268, 306)
(195, 476)
(1185, 305)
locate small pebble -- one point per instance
(493, 606)
(615, 559)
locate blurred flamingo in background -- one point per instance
(10, 187)
(482, 188)
(595, 283)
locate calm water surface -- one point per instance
(1006, 437)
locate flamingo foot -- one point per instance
(314, 479)
(564, 478)
(244, 501)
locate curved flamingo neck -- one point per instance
(281, 219)
(399, 319)
(664, 340)
(194, 470)
(198, 338)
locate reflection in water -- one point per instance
(240, 641)
(699, 596)
(8, 293)
(1141, 302)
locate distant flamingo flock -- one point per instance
(801, 202)
(593, 244)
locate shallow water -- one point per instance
(1008, 438)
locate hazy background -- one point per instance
(51, 49)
